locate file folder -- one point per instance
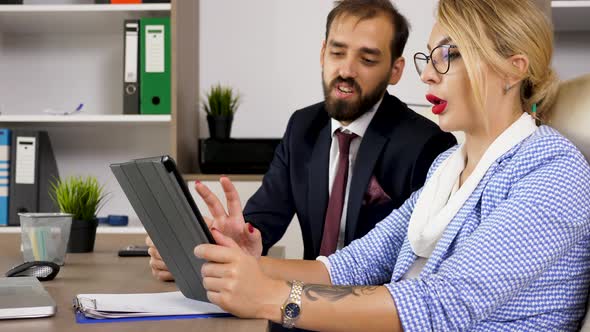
(131, 67)
(155, 62)
(33, 167)
(4, 174)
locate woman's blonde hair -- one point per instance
(491, 31)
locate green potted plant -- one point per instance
(82, 197)
(220, 104)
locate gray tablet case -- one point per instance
(161, 199)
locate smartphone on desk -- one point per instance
(134, 251)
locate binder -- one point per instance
(33, 167)
(131, 67)
(118, 1)
(125, 1)
(4, 174)
(155, 66)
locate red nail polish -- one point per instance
(197, 182)
(250, 228)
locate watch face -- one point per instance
(292, 310)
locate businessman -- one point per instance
(347, 162)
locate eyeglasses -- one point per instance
(441, 57)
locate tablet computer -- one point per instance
(165, 207)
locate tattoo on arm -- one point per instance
(334, 293)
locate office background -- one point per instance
(278, 69)
(266, 49)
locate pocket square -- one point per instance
(375, 194)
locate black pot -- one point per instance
(82, 236)
(220, 125)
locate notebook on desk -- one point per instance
(24, 297)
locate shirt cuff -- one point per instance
(326, 263)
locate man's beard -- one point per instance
(343, 110)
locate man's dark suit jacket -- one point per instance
(397, 149)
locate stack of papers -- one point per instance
(103, 306)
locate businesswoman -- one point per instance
(497, 239)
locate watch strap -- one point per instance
(294, 297)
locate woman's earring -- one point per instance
(507, 88)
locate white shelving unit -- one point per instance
(84, 18)
(101, 230)
(58, 56)
(67, 119)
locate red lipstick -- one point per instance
(439, 104)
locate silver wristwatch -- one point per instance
(291, 309)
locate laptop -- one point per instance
(24, 297)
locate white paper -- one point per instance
(131, 45)
(144, 304)
(25, 160)
(154, 47)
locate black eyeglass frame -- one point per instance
(428, 58)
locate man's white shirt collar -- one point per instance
(358, 126)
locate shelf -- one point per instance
(571, 15)
(92, 119)
(100, 230)
(215, 177)
(418, 105)
(89, 18)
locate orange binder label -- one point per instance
(125, 1)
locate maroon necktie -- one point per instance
(336, 203)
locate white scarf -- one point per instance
(434, 210)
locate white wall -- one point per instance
(269, 50)
(421, 18)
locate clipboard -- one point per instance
(104, 308)
(160, 197)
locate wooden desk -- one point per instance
(104, 272)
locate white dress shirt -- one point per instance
(358, 127)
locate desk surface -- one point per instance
(104, 272)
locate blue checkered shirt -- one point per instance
(516, 257)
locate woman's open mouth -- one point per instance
(439, 104)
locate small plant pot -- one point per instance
(220, 126)
(82, 236)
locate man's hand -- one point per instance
(232, 223)
(235, 282)
(159, 268)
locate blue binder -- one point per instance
(4, 175)
(81, 319)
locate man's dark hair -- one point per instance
(367, 9)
